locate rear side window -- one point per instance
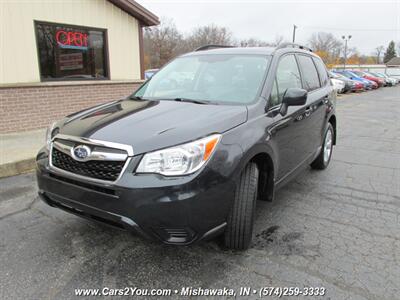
(323, 73)
(309, 72)
(287, 76)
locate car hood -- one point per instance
(151, 125)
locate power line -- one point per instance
(348, 29)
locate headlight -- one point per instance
(179, 160)
(50, 133)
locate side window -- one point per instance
(287, 76)
(323, 73)
(309, 72)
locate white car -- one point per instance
(392, 80)
(393, 73)
(338, 85)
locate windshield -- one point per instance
(212, 78)
(341, 76)
(377, 74)
(351, 74)
(345, 74)
(358, 73)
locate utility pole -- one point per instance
(294, 32)
(345, 49)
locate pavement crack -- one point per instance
(331, 280)
(337, 200)
(352, 225)
(21, 210)
(360, 164)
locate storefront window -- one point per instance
(71, 52)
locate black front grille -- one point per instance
(96, 188)
(104, 170)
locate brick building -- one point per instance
(58, 57)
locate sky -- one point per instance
(370, 23)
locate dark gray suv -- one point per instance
(186, 156)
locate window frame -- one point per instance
(275, 79)
(314, 59)
(105, 49)
(303, 77)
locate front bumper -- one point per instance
(178, 210)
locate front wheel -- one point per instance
(324, 157)
(239, 229)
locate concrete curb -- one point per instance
(18, 167)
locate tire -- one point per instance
(324, 157)
(239, 230)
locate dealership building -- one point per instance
(58, 57)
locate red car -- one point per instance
(358, 86)
(379, 81)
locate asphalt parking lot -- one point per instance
(338, 229)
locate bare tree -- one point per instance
(161, 43)
(324, 41)
(378, 51)
(351, 51)
(279, 39)
(207, 35)
(253, 42)
(328, 44)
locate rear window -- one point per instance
(309, 72)
(322, 72)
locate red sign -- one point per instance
(71, 39)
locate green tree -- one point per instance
(390, 52)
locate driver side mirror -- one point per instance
(293, 97)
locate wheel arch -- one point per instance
(262, 156)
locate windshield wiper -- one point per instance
(132, 97)
(191, 100)
(180, 99)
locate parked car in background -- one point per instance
(368, 85)
(382, 80)
(396, 80)
(379, 81)
(389, 81)
(349, 85)
(358, 86)
(338, 85)
(149, 73)
(393, 72)
(374, 84)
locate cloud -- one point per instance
(371, 23)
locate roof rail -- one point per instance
(208, 47)
(293, 45)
